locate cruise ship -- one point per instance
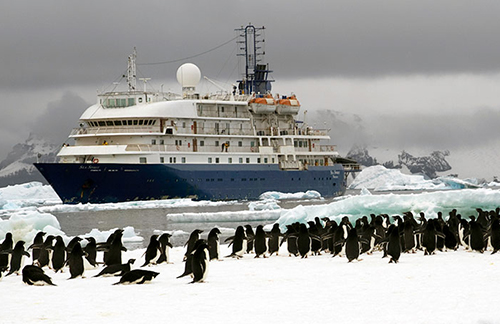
(143, 145)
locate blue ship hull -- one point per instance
(104, 183)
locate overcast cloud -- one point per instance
(427, 69)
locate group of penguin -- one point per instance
(404, 234)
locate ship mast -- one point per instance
(131, 71)
(250, 46)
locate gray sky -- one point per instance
(405, 68)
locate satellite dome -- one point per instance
(188, 75)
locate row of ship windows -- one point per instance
(202, 143)
(242, 179)
(128, 122)
(172, 159)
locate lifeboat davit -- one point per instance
(263, 104)
(287, 105)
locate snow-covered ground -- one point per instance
(449, 287)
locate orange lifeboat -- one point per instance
(262, 104)
(287, 105)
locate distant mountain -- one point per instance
(18, 167)
(428, 166)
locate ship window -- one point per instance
(101, 123)
(183, 159)
(300, 143)
(175, 160)
(216, 143)
(252, 144)
(143, 160)
(258, 160)
(136, 122)
(209, 160)
(162, 159)
(118, 123)
(221, 109)
(241, 160)
(240, 143)
(273, 160)
(230, 160)
(248, 160)
(153, 142)
(141, 122)
(130, 123)
(216, 160)
(170, 160)
(183, 124)
(111, 103)
(202, 143)
(154, 122)
(295, 143)
(109, 123)
(243, 179)
(162, 142)
(265, 160)
(131, 101)
(123, 102)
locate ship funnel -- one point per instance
(188, 75)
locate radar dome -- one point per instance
(188, 75)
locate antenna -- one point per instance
(145, 80)
(132, 71)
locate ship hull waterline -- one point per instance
(115, 182)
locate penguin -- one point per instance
(274, 239)
(188, 270)
(214, 244)
(260, 244)
(393, 248)
(165, 247)
(114, 253)
(44, 255)
(450, 239)
(429, 237)
(195, 236)
(58, 257)
(316, 245)
(476, 237)
(72, 243)
(338, 239)
(6, 245)
(33, 275)
(408, 235)
(17, 258)
(495, 235)
(352, 245)
(104, 246)
(290, 236)
(304, 241)
(239, 243)
(116, 269)
(250, 237)
(90, 253)
(199, 263)
(37, 241)
(137, 276)
(153, 251)
(75, 261)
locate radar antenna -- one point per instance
(131, 71)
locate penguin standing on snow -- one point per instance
(44, 255)
(260, 245)
(495, 235)
(114, 254)
(6, 245)
(75, 261)
(476, 237)
(58, 254)
(213, 244)
(250, 237)
(303, 241)
(137, 276)
(239, 243)
(199, 263)
(33, 275)
(91, 252)
(165, 247)
(153, 251)
(274, 239)
(290, 236)
(37, 241)
(188, 270)
(17, 258)
(195, 236)
(116, 269)
(352, 245)
(393, 248)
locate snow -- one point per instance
(443, 288)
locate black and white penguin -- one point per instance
(408, 235)
(116, 269)
(214, 244)
(153, 251)
(114, 253)
(393, 248)
(75, 261)
(260, 242)
(250, 237)
(72, 243)
(17, 258)
(450, 238)
(165, 247)
(90, 253)
(495, 235)
(137, 276)
(429, 237)
(274, 239)
(37, 242)
(45, 252)
(290, 236)
(193, 237)
(199, 263)
(58, 257)
(352, 245)
(477, 242)
(238, 242)
(33, 275)
(6, 245)
(188, 271)
(303, 241)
